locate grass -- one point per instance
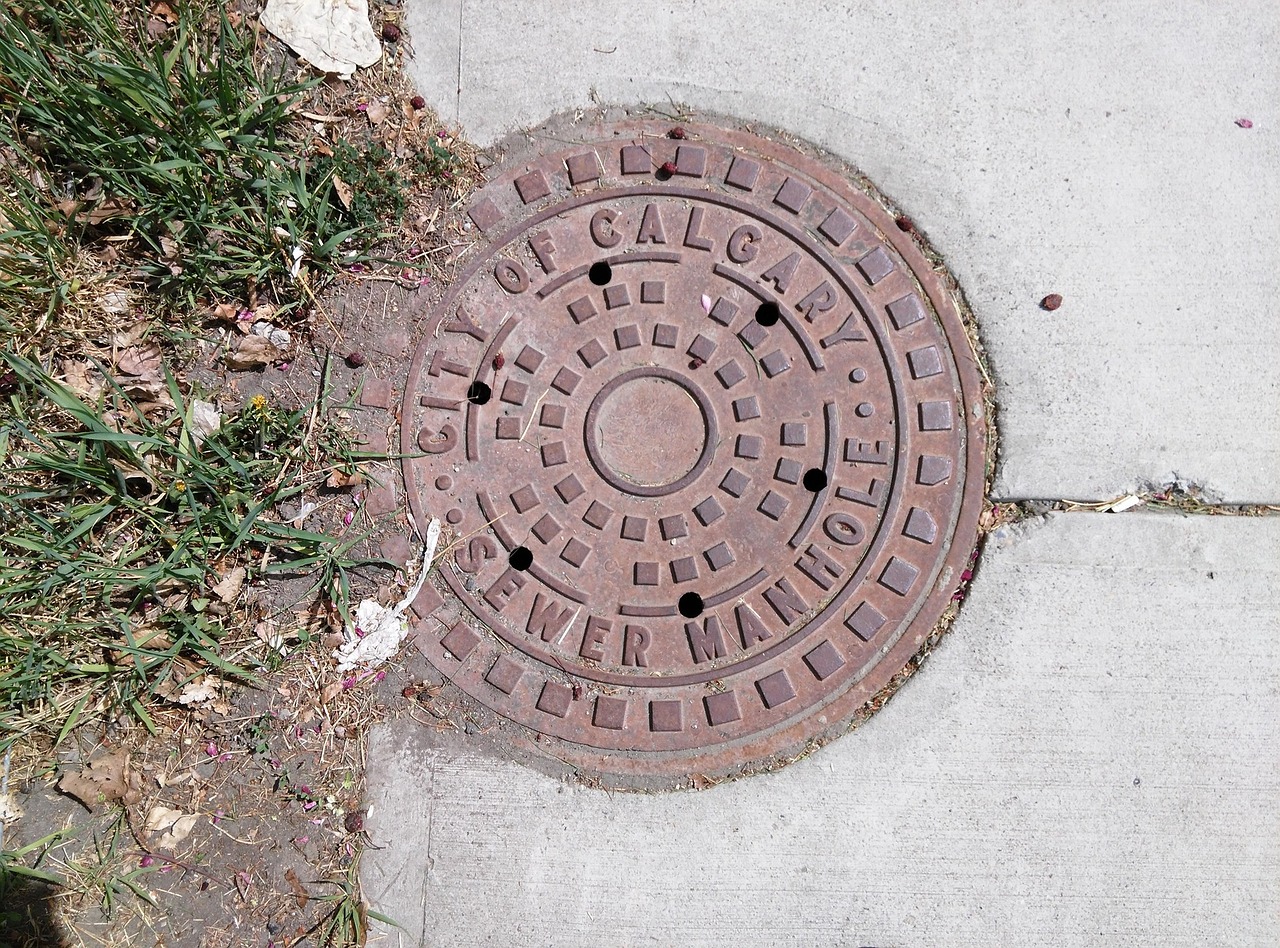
(345, 921)
(182, 155)
(112, 539)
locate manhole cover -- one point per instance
(708, 431)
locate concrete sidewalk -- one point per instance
(1091, 757)
(1043, 148)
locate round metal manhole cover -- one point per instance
(707, 430)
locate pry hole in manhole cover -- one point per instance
(711, 443)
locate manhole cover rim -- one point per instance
(836, 709)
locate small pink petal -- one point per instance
(1244, 123)
(303, 840)
(380, 676)
(309, 805)
(706, 303)
(146, 861)
(347, 518)
(283, 366)
(212, 749)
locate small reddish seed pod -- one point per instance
(355, 359)
(499, 361)
(676, 133)
(696, 363)
(1051, 302)
(668, 168)
(418, 102)
(905, 224)
(390, 32)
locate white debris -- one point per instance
(205, 419)
(280, 338)
(1123, 504)
(378, 630)
(332, 35)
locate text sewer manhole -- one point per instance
(707, 431)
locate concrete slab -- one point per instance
(1090, 757)
(1066, 147)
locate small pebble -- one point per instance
(1051, 302)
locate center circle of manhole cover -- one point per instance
(707, 432)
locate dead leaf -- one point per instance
(144, 362)
(299, 890)
(377, 112)
(164, 12)
(343, 191)
(83, 379)
(131, 336)
(331, 691)
(173, 824)
(226, 312)
(156, 27)
(252, 352)
(340, 479)
(114, 302)
(228, 588)
(102, 211)
(197, 691)
(267, 635)
(107, 779)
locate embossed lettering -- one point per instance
(751, 629)
(780, 273)
(548, 619)
(446, 439)
(472, 556)
(863, 452)
(706, 642)
(602, 231)
(692, 234)
(651, 231)
(542, 247)
(440, 362)
(742, 243)
(848, 332)
(844, 528)
(593, 639)
(635, 644)
(784, 600)
(506, 586)
(462, 322)
(871, 497)
(511, 275)
(820, 298)
(819, 567)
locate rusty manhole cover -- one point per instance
(708, 430)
